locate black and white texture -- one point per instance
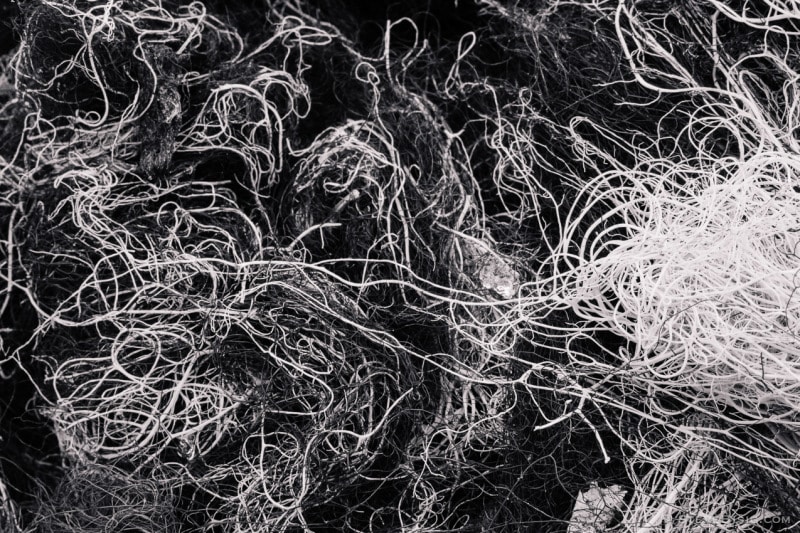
(423, 266)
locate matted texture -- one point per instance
(447, 265)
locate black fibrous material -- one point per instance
(414, 266)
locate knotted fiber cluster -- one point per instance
(312, 266)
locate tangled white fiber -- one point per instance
(692, 256)
(700, 271)
(309, 267)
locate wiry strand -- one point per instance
(306, 266)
